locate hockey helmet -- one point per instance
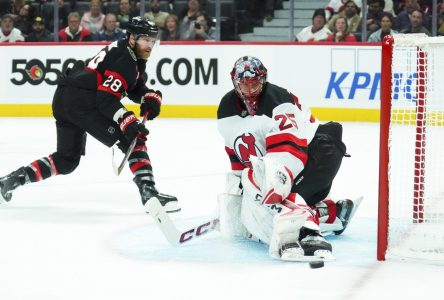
(142, 26)
(249, 77)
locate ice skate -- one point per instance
(311, 247)
(292, 252)
(10, 182)
(345, 209)
(148, 190)
(315, 245)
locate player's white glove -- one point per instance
(273, 179)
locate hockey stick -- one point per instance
(118, 169)
(170, 231)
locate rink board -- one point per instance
(339, 82)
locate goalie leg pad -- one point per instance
(232, 184)
(230, 216)
(286, 227)
(257, 218)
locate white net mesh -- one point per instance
(416, 143)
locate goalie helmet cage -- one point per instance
(411, 181)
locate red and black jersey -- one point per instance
(282, 128)
(113, 73)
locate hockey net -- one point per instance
(411, 183)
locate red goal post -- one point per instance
(411, 167)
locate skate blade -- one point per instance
(319, 255)
(356, 204)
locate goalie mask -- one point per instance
(249, 77)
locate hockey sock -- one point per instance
(326, 211)
(41, 169)
(140, 164)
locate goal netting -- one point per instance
(411, 195)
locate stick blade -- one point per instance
(162, 220)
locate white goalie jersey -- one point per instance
(282, 128)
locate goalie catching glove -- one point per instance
(272, 179)
(150, 104)
(131, 127)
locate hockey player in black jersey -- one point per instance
(283, 164)
(87, 100)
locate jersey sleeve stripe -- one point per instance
(118, 76)
(302, 156)
(284, 137)
(236, 164)
(229, 151)
(288, 143)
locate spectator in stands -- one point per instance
(64, 11)
(317, 31)
(156, 15)
(201, 30)
(374, 15)
(171, 32)
(9, 34)
(416, 24)
(5, 7)
(16, 6)
(110, 31)
(270, 6)
(336, 6)
(186, 19)
(340, 32)
(403, 20)
(386, 28)
(389, 7)
(39, 32)
(93, 19)
(441, 20)
(351, 14)
(74, 32)
(125, 13)
(24, 20)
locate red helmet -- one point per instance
(249, 76)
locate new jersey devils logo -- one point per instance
(244, 146)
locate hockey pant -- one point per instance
(73, 122)
(325, 153)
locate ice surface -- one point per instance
(86, 236)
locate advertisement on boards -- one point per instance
(325, 76)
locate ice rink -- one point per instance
(86, 236)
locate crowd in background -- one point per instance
(27, 20)
(339, 21)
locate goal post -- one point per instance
(411, 162)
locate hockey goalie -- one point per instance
(283, 163)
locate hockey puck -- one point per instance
(316, 264)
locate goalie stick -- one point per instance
(118, 169)
(177, 238)
(170, 231)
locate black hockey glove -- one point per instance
(132, 128)
(150, 104)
